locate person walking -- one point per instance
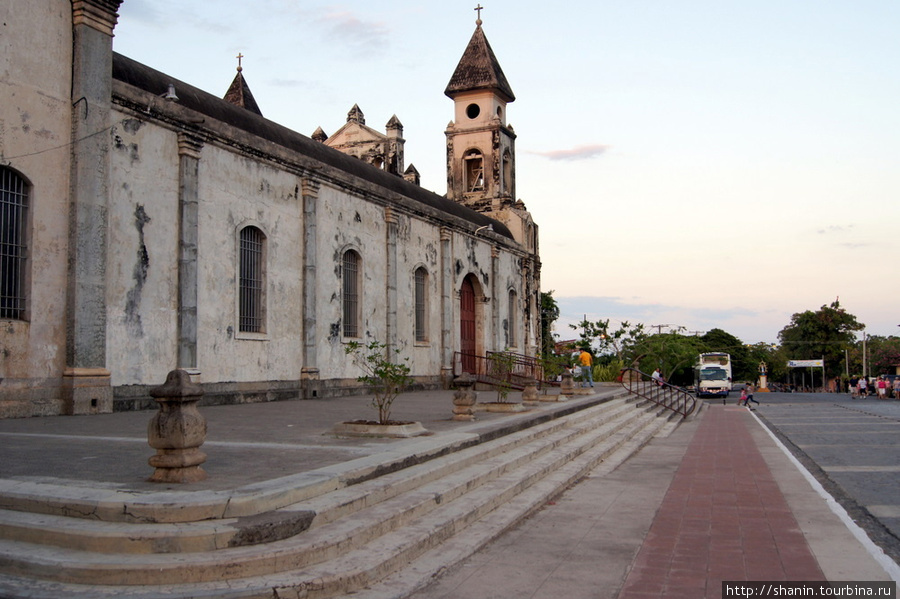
(586, 362)
(881, 387)
(854, 386)
(863, 387)
(748, 390)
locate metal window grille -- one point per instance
(13, 249)
(252, 284)
(350, 269)
(421, 278)
(512, 318)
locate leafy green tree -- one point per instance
(884, 354)
(776, 366)
(618, 342)
(742, 368)
(549, 315)
(673, 353)
(825, 333)
(387, 378)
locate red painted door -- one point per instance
(467, 325)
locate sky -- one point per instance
(691, 164)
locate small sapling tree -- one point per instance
(387, 378)
(501, 367)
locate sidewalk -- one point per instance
(717, 500)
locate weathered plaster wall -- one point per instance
(142, 271)
(348, 222)
(35, 135)
(236, 191)
(419, 244)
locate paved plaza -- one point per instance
(853, 448)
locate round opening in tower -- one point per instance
(472, 111)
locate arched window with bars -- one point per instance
(252, 284)
(351, 274)
(13, 244)
(421, 298)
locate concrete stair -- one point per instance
(375, 530)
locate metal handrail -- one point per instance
(523, 370)
(661, 393)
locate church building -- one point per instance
(147, 225)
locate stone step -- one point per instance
(113, 505)
(211, 535)
(341, 554)
(324, 542)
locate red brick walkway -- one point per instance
(723, 518)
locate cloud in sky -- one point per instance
(363, 37)
(585, 152)
(836, 229)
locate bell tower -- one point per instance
(480, 145)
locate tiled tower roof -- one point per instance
(479, 69)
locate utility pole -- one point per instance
(865, 362)
(659, 327)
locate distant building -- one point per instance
(146, 225)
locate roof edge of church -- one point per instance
(147, 79)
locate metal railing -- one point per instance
(661, 393)
(503, 368)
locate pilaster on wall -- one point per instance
(446, 307)
(391, 220)
(496, 329)
(189, 147)
(99, 15)
(309, 372)
(86, 382)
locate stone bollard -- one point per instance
(177, 431)
(530, 395)
(567, 387)
(464, 397)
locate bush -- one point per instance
(608, 373)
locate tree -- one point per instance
(616, 342)
(549, 315)
(776, 365)
(884, 354)
(742, 367)
(826, 333)
(387, 378)
(674, 354)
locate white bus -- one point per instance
(712, 375)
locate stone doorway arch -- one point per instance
(471, 319)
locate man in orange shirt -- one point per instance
(585, 360)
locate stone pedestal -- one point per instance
(567, 387)
(177, 431)
(530, 395)
(464, 398)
